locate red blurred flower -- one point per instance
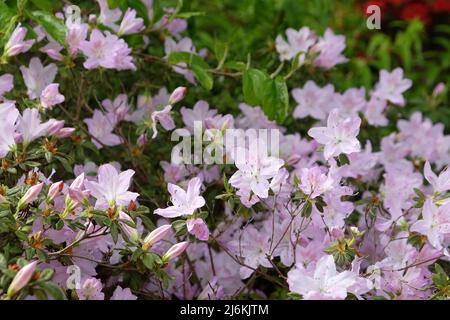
(440, 6)
(416, 10)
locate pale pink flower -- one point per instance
(6, 83)
(254, 118)
(374, 112)
(297, 42)
(51, 96)
(255, 168)
(118, 108)
(313, 100)
(435, 223)
(52, 49)
(184, 202)
(164, 118)
(198, 228)
(130, 24)
(17, 43)
(30, 127)
(37, 77)
(107, 16)
(330, 48)
(76, 34)
(351, 101)
(391, 86)
(199, 112)
(101, 127)
(440, 183)
(326, 283)
(91, 290)
(8, 117)
(107, 51)
(123, 294)
(112, 187)
(339, 136)
(314, 182)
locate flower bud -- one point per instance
(130, 231)
(440, 88)
(54, 189)
(175, 251)
(156, 235)
(177, 95)
(31, 195)
(22, 278)
(64, 132)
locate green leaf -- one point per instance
(148, 259)
(54, 26)
(202, 75)
(254, 82)
(53, 290)
(46, 5)
(187, 15)
(276, 99)
(114, 232)
(187, 57)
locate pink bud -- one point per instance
(142, 140)
(175, 251)
(54, 189)
(177, 95)
(55, 126)
(31, 195)
(22, 278)
(198, 228)
(130, 231)
(64, 133)
(156, 235)
(440, 88)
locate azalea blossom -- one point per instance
(107, 16)
(314, 182)
(30, 127)
(440, 183)
(435, 223)
(91, 289)
(297, 42)
(255, 168)
(101, 126)
(112, 187)
(198, 228)
(17, 43)
(51, 96)
(130, 24)
(339, 136)
(107, 51)
(330, 48)
(8, 117)
(164, 118)
(391, 86)
(185, 202)
(6, 84)
(37, 77)
(313, 101)
(325, 283)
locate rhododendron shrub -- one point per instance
(165, 150)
